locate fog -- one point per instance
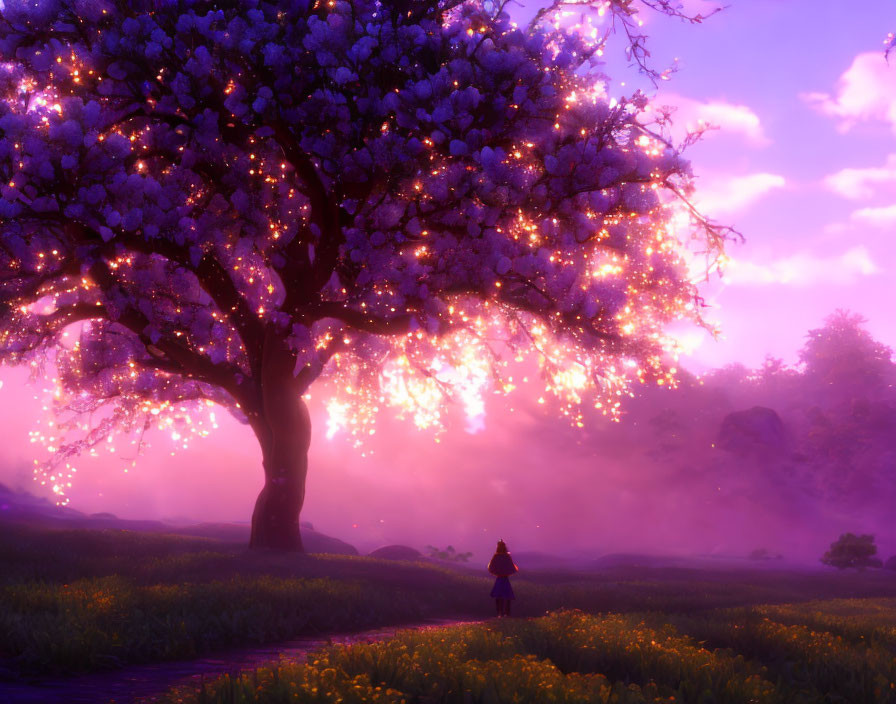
(673, 477)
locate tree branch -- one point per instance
(212, 276)
(360, 320)
(324, 214)
(191, 364)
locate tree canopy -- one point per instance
(232, 199)
(850, 550)
(843, 360)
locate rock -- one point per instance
(758, 430)
(315, 542)
(396, 552)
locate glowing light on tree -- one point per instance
(208, 205)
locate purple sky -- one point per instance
(804, 165)
(806, 106)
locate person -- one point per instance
(501, 565)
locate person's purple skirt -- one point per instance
(502, 589)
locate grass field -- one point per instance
(830, 651)
(817, 652)
(79, 600)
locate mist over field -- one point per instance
(782, 458)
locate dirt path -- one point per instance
(145, 683)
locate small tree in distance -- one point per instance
(222, 202)
(850, 550)
(449, 554)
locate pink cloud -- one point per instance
(729, 195)
(729, 118)
(802, 269)
(866, 91)
(884, 216)
(858, 184)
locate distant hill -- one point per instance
(21, 503)
(22, 507)
(624, 559)
(721, 562)
(531, 560)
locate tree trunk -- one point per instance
(285, 437)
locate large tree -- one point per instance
(219, 201)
